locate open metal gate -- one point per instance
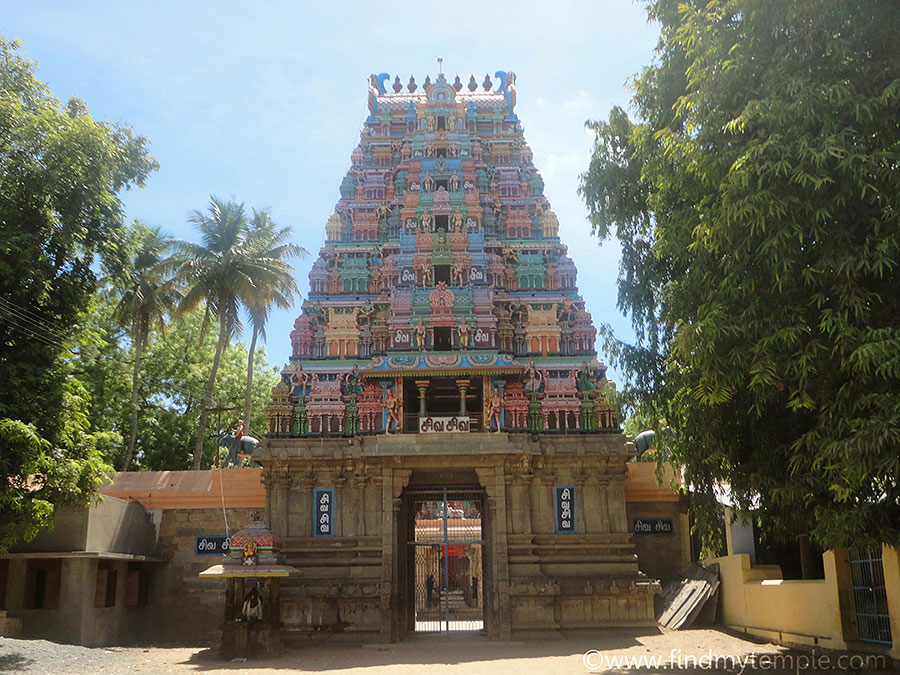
(873, 623)
(448, 574)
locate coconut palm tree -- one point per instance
(271, 244)
(227, 270)
(146, 295)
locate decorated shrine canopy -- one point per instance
(252, 553)
(443, 287)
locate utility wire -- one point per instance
(31, 323)
(45, 338)
(23, 325)
(33, 317)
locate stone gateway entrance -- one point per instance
(445, 570)
(497, 518)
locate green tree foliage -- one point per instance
(174, 370)
(60, 172)
(234, 266)
(147, 293)
(172, 388)
(102, 363)
(756, 201)
(274, 244)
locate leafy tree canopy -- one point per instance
(60, 173)
(242, 262)
(755, 196)
(174, 370)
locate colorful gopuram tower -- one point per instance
(443, 346)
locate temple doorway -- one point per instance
(446, 575)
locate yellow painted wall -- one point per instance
(757, 601)
(891, 558)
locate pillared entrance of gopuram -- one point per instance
(430, 403)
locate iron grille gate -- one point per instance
(873, 624)
(448, 574)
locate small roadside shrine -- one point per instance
(252, 624)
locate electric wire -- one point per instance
(33, 318)
(27, 310)
(45, 338)
(29, 331)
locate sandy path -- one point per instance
(438, 655)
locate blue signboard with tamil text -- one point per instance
(323, 516)
(212, 544)
(565, 509)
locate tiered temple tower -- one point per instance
(444, 336)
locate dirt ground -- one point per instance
(690, 651)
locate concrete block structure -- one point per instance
(86, 579)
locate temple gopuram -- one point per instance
(442, 454)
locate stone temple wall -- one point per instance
(189, 609)
(356, 581)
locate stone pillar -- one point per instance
(422, 386)
(302, 524)
(535, 489)
(360, 481)
(493, 480)
(615, 499)
(545, 507)
(341, 513)
(595, 509)
(229, 600)
(273, 498)
(283, 484)
(373, 502)
(393, 482)
(580, 510)
(388, 524)
(463, 388)
(520, 506)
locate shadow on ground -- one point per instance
(13, 662)
(422, 650)
(612, 651)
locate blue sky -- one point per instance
(263, 101)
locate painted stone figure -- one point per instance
(420, 331)
(493, 409)
(460, 272)
(462, 331)
(585, 378)
(353, 382)
(238, 447)
(533, 378)
(427, 221)
(457, 221)
(394, 408)
(299, 381)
